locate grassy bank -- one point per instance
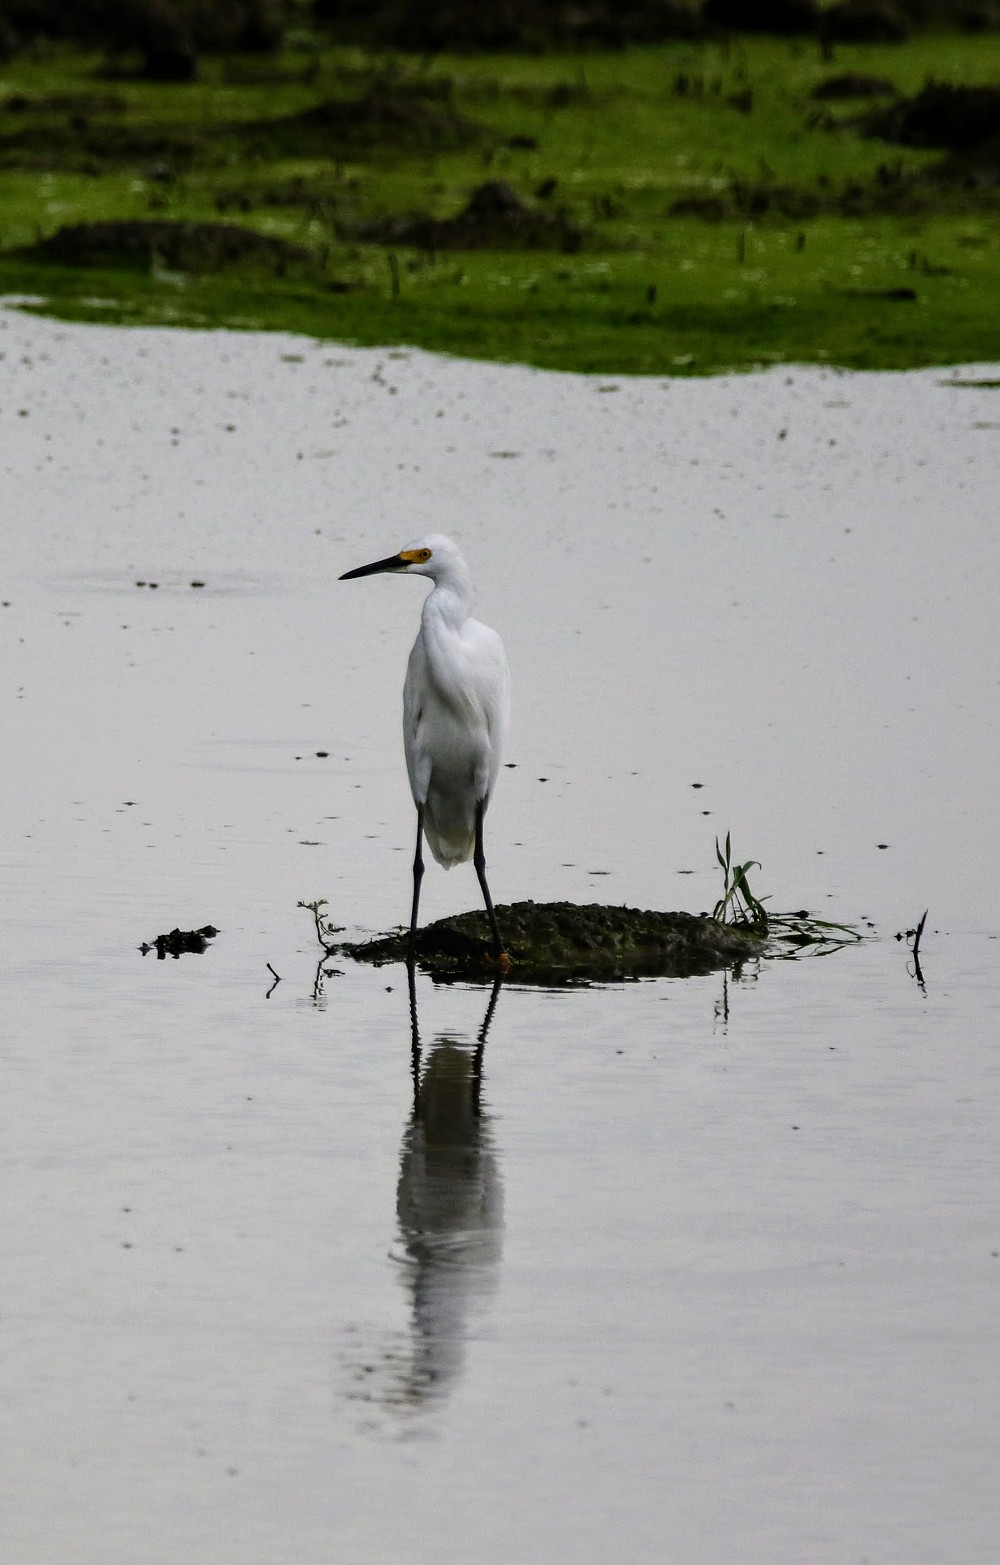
(684, 208)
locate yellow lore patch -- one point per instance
(414, 556)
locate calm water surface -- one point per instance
(698, 1271)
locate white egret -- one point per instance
(456, 709)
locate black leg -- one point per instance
(479, 860)
(418, 875)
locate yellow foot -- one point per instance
(501, 961)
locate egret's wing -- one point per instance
(418, 765)
(491, 683)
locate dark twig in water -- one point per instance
(919, 932)
(914, 936)
(277, 980)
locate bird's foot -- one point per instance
(499, 961)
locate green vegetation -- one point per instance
(738, 905)
(738, 908)
(678, 208)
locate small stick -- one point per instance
(277, 980)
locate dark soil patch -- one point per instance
(563, 942)
(401, 119)
(975, 170)
(865, 21)
(763, 16)
(86, 103)
(533, 25)
(752, 201)
(853, 84)
(495, 218)
(184, 247)
(965, 120)
(900, 295)
(941, 115)
(94, 148)
(398, 120)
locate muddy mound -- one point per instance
(965, 120)
(393, 118)
(183, 247)
(494, 218)
(564, 942)
(96, 146)
(941, 115)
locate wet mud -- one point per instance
(566, 943)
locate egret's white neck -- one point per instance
(451, 601)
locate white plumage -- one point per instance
(456, 711)
(456, 707)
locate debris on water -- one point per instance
(180, 941)
(567, 943)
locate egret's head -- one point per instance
(434, 556)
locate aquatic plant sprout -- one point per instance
(740, 908)
(738, 905)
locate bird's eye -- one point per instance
(423, 554)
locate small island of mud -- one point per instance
(565, 943)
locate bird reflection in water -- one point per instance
(449, 1203)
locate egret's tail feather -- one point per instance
(451, 842)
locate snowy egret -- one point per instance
(456, 708)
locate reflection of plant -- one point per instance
(325, 931)
(738, 905)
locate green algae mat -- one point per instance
(686, 208)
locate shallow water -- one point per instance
(696, 1270)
